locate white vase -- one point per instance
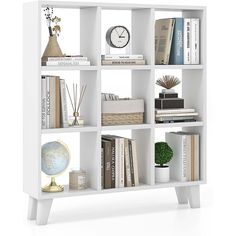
(162, 174)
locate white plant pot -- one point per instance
(162, 174)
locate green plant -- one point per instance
(163, 153)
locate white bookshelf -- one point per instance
(142, 85)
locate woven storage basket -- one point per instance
(123, 112)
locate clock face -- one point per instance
(118, 36)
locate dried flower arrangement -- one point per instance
(48, 12)
(168, 81)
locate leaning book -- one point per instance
(163, 38)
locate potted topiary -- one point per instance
(163, 154)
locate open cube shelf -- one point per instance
(93, 20)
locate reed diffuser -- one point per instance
(75, 102)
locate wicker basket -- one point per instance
(122, 119)
(123, 112)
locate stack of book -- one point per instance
(119, 164)
(177, 41)
(120, 59)
(184, 165)
(175, 115)
(77, 60)
(53, 102)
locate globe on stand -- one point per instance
(55, 159)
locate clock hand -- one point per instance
(122, 33)
(117, 32)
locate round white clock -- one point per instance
(117, 36)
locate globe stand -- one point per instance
(53, 187)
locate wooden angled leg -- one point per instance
(43, 210)
(194, 196)
(32, 208)
(182, 194)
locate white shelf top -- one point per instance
(58, 68)
(127, 67)
(181, 124)
(123, 127)
(118, 6)
(70, 129)
(182, 67)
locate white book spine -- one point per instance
(64, 110)
(68, 63)
(122, 163)
(48, 108)
(122, 56)
(52, 102)
(135, 162)
(117, 163)
(187, 35)
(43, 104)
(67, 59)
(194, 41)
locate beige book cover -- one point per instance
(163, 39)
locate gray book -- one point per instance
(106, 145)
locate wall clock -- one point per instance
(117, 36)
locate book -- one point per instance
(106, 145)
(174, 111)
(66, 63)
(57, 103)
(123, 62)
(169, 103)
(67, 58)
(102, 168)
(52, 82)
(174, 118)
(128, 181)
(122, 56)
(133, 162)
(114, 159)
(64, 110)
(169, 120)
(194, 58)
(48, 109)
(187, 59)
(178, 164)
(176, 54)
(168, 95)
(176, 114)
(43, 103)
(163, 39)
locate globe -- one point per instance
(55, 159)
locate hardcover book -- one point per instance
(176, 55)
(194, 41)
(187, 32)
(163, 39)
(106, 145)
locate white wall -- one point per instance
(154, 212)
